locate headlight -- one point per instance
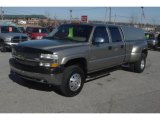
(49, 60)
(8, 39)
(49, 56)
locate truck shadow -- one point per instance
(34, 85)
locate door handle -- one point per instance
(109, 47)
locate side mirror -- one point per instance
(99, 40)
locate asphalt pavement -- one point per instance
(120, 92)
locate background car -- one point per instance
(22, 29)
(151, 40)
(50, 28)
(9, 36)
(37, 32)
(158, 40)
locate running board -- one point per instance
(99, 74)
(96, 76)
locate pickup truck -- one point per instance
(9, 36)
(72, 52)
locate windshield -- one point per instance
(9, 29)
(39, 30)
(79, 33)
(149, 36)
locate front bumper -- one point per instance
(43, 75)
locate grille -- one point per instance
(15, 39)
(35, 69)
(24, 38)
(18, 39)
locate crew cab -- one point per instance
(9, 36)
(72, 52)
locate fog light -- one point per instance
(48, 64)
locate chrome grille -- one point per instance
(18, 39)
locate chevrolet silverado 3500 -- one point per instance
(73, 51)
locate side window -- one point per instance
(115, 34)
(101, 33)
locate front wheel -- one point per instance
(73, 81)
(140, 65)
(2, 48)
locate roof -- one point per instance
(93, 24)
(24, 16)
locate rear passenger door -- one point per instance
(117, 45)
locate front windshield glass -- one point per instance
(79, 33)
(9, 29)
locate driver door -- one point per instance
(100, 53)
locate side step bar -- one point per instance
(102, 73)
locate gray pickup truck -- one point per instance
(9, 36)
(72, 52)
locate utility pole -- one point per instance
(110, 12)
(70, 16)
(2, 12)
(115, 18)
(142, 16)
(105, 19)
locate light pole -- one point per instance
(142, 16)
(110, 12)
(70, 16)
(105, 19)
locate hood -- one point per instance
(46, 44)
(12, 34)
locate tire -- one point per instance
(2, 48)
(71, 74)
(140, 65)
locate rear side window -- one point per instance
(115, 34)
(9, 29)
(101, 33)
(39, 30)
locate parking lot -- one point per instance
(121, 91)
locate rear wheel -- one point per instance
(140, 65)
(73, 81)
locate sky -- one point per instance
(119, 14)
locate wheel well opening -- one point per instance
(145, 51)
(81, 62)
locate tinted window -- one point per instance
(9, 29)
(115, 34)
(39, 30)
(79, 33)
(29, 29)
(100, 32)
